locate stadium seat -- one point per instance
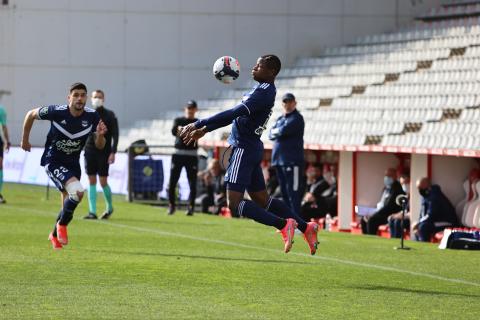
(383, 231)
(470, 206)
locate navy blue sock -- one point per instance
(67, 213)
(279, 208)
(55, 227)
(251, 210)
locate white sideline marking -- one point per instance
(239, 245)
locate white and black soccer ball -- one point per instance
(226, 69)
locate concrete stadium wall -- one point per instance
(450, 173)
(152, 55)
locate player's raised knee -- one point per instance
(75, 190)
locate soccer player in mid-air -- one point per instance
(244, 172)
(70, 127)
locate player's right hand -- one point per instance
(187, 130)
(194, 136)
(26, 146)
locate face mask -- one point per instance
(388, 181)
(406, 188)
(96, 102)
(424, 192)
(328, 176)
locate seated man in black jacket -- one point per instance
(437, 212)
(387, 204)
(315, 203)
(213, 180)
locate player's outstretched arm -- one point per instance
(219, 120)
(100, 140)
(30, 117)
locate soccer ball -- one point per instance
(226, 69)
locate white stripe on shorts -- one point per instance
(295, 178)
(240, 154)
(234, 163)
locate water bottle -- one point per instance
(328, 221)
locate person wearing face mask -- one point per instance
(386, 206)
(97, 161)
(322, 187)
(436, 213)
(395, 220)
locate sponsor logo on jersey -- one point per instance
(69, 146)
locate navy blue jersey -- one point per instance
(249, 118)
(68, 134)
(287, 134)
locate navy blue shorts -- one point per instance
(61, 173)
(1, 147)
(244, 170)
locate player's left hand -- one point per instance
(111, 158)
(101, 128)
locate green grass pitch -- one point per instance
(143, 264)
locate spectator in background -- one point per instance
(436, 213)
(4, 145)
(387, 204)
(213, 179)
(273, 187)
(184, 156)
(288, 154)
(314, 202)
(97, 161)
(395, 220)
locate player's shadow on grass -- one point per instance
(187, 256)
(417, 291)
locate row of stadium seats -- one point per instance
(432, 141)
(453, 11)
(465, 40)
(423, 31)
(358, 114)
(348, 126)
(416, 89)
(434, 76)
(404, 102)
(404, 55)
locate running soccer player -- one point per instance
(244, 172)
(70, 127)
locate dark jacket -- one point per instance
(437, 208)
(319, 187)
(108, 117)
(390, 205)
(287, 134)
(182, 121)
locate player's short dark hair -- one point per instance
(99, 91)
(78, 86)
(272, 62)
